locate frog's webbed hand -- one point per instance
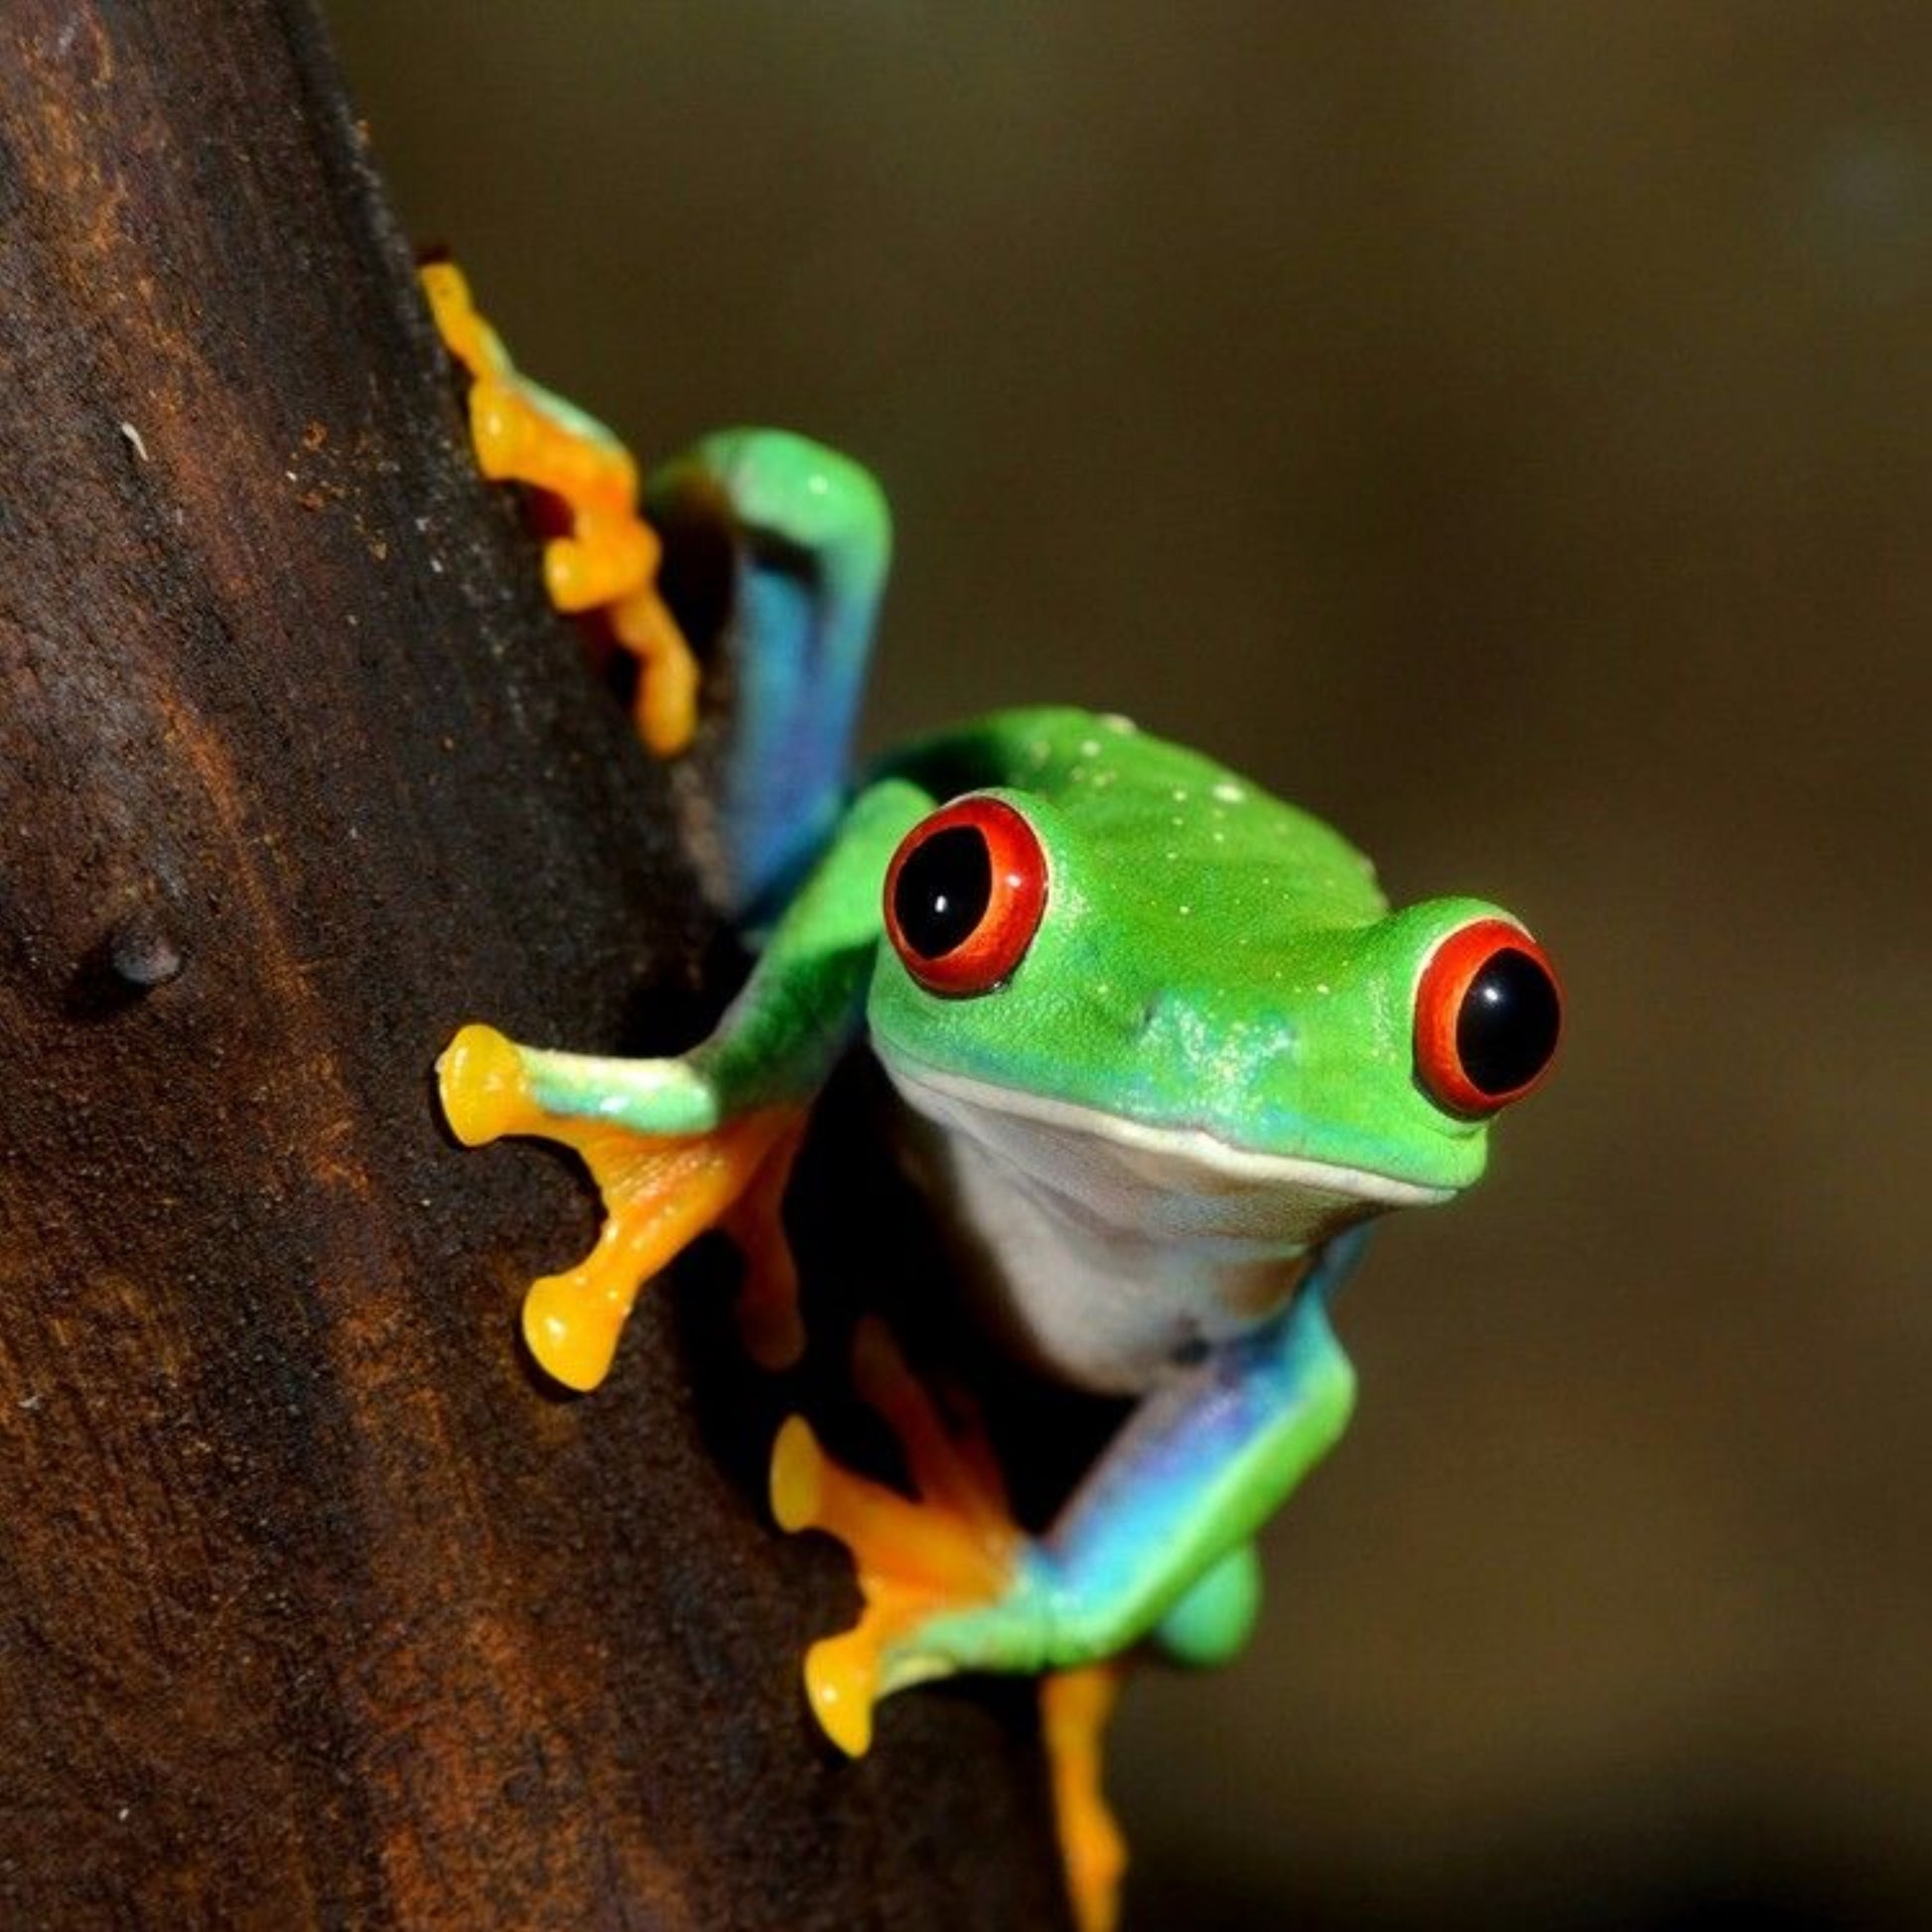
(1075, 1707)
(954, 1551)
(955, 1546)
(680, 1145)
(661, 1189)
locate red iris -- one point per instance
(1488, 1010)
(964, 897)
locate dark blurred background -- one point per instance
(1508, 431)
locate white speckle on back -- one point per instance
(1228, 793)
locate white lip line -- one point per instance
(1222, 1157)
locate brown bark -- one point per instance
(317, 1607)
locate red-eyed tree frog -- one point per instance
(1161, 1051)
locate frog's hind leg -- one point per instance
(791, 543)
(659, 1190)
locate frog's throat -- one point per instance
(1107, 1249)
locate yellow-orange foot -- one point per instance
(659, 1194)
(954, 1549)
(1075, 1707)
(608, 562)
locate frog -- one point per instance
(1160, 1054)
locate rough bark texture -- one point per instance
(314, 1606)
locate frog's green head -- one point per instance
(1241, 989)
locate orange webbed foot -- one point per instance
(608, 561)
(659, 1194)
(954, 1549)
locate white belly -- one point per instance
(1105, 1249)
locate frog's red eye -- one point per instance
(1487, 1014)
(964, 897)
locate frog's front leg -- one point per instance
(1156, 1543)
(679, 1146)
(1214, 1620)
(1201, 1464)
(1153, 1542)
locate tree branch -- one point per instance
(316, 1609)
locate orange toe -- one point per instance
(608, 562)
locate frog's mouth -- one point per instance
(1180, 1182)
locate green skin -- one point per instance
(1212, 965)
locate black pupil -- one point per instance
(943, 891)
(1507, 1028)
